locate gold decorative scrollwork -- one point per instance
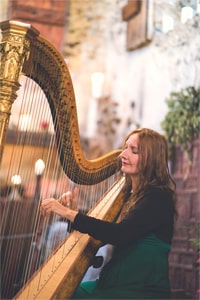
(14, 51)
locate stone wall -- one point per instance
(184, 273)
(48, 17)
(95, 41)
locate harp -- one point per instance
(25, 53)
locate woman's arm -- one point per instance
(53, 205)
(152, 213)
(66, 206)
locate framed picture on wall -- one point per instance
(139, 17)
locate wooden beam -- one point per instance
(50, 16)
(131, 10)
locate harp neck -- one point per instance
(25, 52)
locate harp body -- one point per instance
(25, 52)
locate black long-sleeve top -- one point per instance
(153, 213)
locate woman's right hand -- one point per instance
(66, 206)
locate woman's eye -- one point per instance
(135, 151)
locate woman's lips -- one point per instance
(124, 164)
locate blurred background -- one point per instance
(126, 60)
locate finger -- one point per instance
(75, 192)
(50, 206)
(75, 197)
(46, 201)
(44, 211)
(47, 205)
(66, 199)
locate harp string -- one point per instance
(16, 156)
(46, 223)
(88, 195)
(9, 232)
(27, 259)
(39, 258)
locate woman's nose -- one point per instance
(123, 154)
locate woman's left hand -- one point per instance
(52, 205)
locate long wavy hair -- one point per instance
(153, 168)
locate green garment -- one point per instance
(138, 271)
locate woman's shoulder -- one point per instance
(158, 191)
(157, 196)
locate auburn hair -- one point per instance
(153, 165)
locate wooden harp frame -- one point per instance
(22, 51)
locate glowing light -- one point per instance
(186, 14)
(97, 84)
(16, 179)
(39, 167)
(167, 23)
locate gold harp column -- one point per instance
(14, 51)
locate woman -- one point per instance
(142, 237)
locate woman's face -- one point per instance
(129, 156)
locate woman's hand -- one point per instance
(52, 205)
(65, 206)
(70, 199)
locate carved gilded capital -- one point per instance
(8, 94)
(14, 50)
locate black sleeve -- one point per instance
(152, 212)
